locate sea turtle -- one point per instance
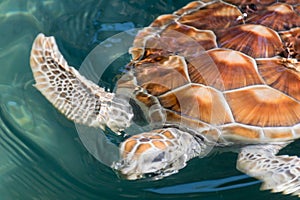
(214, 74)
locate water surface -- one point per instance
(41, 154)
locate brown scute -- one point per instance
(181, 40)
(189, 7)
(152, 54)
(277, 133)
(155, 137)
(254, 40)
(159, 144)
(186, 37)
(215, 16)
(238, 130)
(162, 76)
(214, 63)
(136, 52)
(138, 47)
(145, 98)
(277, 74)
(197, 76)
(155, 88)
(142, 148)
(129, 145)
(198, 102)
(171, 102)
(263, 106)
(225, 65)
(168, 134)
(163, 20)
(279, 17)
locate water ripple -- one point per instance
(41, 155)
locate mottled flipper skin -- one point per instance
(279, 173)
(79, 99)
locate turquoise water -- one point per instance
(41, 154)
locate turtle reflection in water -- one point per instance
(214, 74)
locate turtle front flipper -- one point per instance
(157, 154)
(72, 94)
(278, 173)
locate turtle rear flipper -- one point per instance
(278, 173)
(72, 94)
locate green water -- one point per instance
(41, 154)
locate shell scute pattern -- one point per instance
(212, 74)
(248, 37)
(237, 59)
(279, 17)
(141, 143)
(214, 16)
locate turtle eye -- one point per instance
(159, 158)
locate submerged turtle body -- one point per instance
(210, 64)
(212, 74)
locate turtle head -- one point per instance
(155, 154)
